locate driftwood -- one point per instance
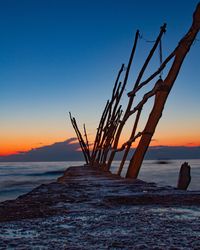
(122, 90)
(106, 121)
(131, 99)
(84, 145)
(161, 96)
(112, 121)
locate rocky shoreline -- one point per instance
(90, 209)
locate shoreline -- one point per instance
(93, 204)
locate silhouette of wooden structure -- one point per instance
(113, 119)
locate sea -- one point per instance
(17, 178)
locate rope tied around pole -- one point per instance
(160, 51)
(160, 57)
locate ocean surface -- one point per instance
(17, 178)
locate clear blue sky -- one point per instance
(57, 56)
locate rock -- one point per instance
(90, 188)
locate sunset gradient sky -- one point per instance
(58, 56)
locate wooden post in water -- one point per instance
(184, 176)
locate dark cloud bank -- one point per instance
(68, 151)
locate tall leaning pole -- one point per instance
(178, 55)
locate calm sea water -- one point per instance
(18, 178)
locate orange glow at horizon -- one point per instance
(9, 147)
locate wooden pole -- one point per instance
(80, 139)
(161, 96)
(131, 99)
(129, 144)
(87, 143)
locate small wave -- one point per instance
(56, 172)
(10, 174)
(162, 162)
(22, 183)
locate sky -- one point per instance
(58, 56)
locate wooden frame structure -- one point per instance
(113, 119)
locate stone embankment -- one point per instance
(90, 209)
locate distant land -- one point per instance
(69, 151)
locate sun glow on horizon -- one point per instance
(10, 148)
(46, 72)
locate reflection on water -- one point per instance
(17, 178)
